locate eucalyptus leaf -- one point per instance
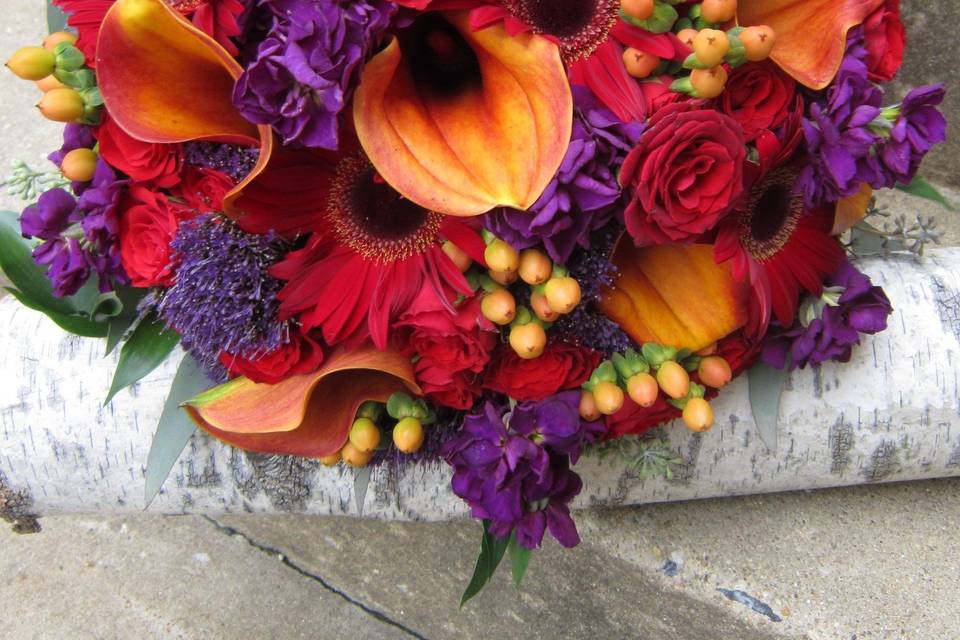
(120, 323)
(766, 387)
(175, 427)
(56, 18)
(491, 553)
(29, 278)
(361, 480)
(922, 189)
(519, 559)
(74, 324)
(149, 345)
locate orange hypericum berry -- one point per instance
(643, 389)
(79, 165)
(711, 46)
(687, 35)
(709, 83)
(50, 82)
(588, 407)
(330, 460)
(639, 63)
(51, 41)
(354, 457)
(61, 105)
(714, 372)
(698, 415)
(499, 307)
(32, 63)
(758, 42)
(608, 397)
(541, 308)
(535, 267)
(408, 435)
(364, 434)
(708, 350)
(528, 340)
(673, 379)
(637, 9)
(506, 278)
(563, 294)
(500, 256)
(718, 10)
(457, 255)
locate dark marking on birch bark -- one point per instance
(954, 460)
(948, 305)
(884, 461)
(817, 382)
(15, 508)
(684, 472)
(287, 481)
(841, 443)
(206, 476)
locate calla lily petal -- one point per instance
(497, 140)
(163, 80)
(674, 295)
(851, 210)
(811, 34)
(308, 415)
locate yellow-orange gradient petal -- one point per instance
(308, 415)
(164, 80)
(851, 210)
(674, 295)
(495, 142)
(811, 34)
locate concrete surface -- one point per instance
(871, 563)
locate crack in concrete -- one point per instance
(379, 615)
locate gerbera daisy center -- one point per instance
(580, 25)
(771, 215)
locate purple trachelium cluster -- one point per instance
(513, 468)
(307, 67)
(234, 160)
(80, 237)
(581, 197)
(830, 326)
(852, 140)
(223, 298)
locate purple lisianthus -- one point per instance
(581, 196)
(916, 125)
(829, 328)
(307, 67)
(513, 469)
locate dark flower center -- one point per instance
(771, 215)
(580, 25)
(368, 216)
(441, 61)
(186, 6)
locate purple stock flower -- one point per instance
(856, 306)
(75, 136)
(917, 126)
(53, 213)
(581, 197)
(556, 422)
(307, 67)
(67, 262)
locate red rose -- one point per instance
(562, 366)
(760, 97)
(452, 349)
(202, 190)
(158, 164)
(633, 419)
(301, 355)
(684, 173)
(147, 226)
(885, 38)
(657, 93)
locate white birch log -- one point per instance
(892, 413)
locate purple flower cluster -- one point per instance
(513, 468)
(234, 160)
(307, 67)
(581, 197)
(915, 126)
(855, 306)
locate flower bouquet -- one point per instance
(494, 233)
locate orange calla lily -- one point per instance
(674, 295)
(851, 210)
(811, 34)
(492, 132)
(308, 415)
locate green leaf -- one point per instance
(120, 323)
(922, 189)
(766, 387)
(27, 276)
(519, 559)
(491, 553)
(361, 480)
(75, 324)
(149, 345)
(56, 18)
(175, 426)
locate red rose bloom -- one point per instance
(760, 97)
(158, 164)
(885, 38)
(301, 355)
(452, 349)
(562, 366)
(147, 226)
(684, 173)
(202, 190)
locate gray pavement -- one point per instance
(875, 562)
